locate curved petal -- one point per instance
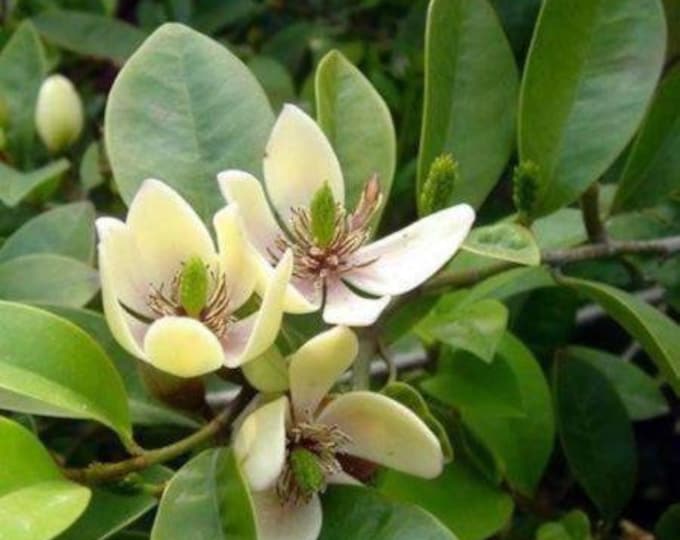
(167, 231)
(345, 307)
(344, 479)
(276, 521)
(316, 366)
(298, 161)
(235, 255)
(182, 346)
(253, 335)
(406, 258)
(260, 444)
(299, 298)
(385, 432)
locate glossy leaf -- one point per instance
(355, 118)
(505, 241)
(64, 373)
(591, 71)
(15, 186)
(359, 512)
(36, 501)
(207, 499)
(596, 434)
(182, 109)
(510, 283)
(470, 96)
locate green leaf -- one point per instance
(596, 434)
(89, 34)
(36, 501)
(560, 229)
(111, 509)
(467, 384)
(668, 526)
(468, 504)
(656, 332)
(23, 67)
(15, 186)
(510, 283)
(359, 512)
(63, 373)
(66, 230)
(90, 167)
(638, 391)
(652, 169)
(591, 71)
(357, 123)
(48, 278)
(470, 96)
(211, 492)
(522, 444)
(505, 241)
(573, 526)
(275, 79)
(182, 109)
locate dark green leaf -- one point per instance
(668, 526)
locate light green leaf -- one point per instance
(657, 333)
(596, 434)
(275, 79)
(510, 283)
(89, 34)
(359, 512)
(63, 373)
(36, 501)
(90, 167)
(48, 278)
(505, 241)
(211, 492)
(182, 109)
(591, 71)
(15, 186)
(66, 230)
(468, 504)
(652, 171)
(470, 96)
(560, 229)
(573, 526)
(357, 123)
(638, 391)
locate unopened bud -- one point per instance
(323, 212)
(58, 113)
(193, 286)
(439, 184)
(525, 181)
(308, 474)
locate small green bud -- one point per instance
(439, 185)
(193, 286)
(525, 180)
(58, 113)
(308, 474)
(323, 213)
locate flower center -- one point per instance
(324, 236)
(311, 458)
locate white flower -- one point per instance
(290, 448)
(170, 297)
(299, 164)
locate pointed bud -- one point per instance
(439, 185)
(308, 474)
(58, 113)
(193, 286)
(323, 212)
(525, 182)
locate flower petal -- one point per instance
(236, 256)
(406, 258)
(182, 346)
(260, 444)
(167, 231)
(298, 161)
(276, 521)
(253, 335)
(345, 307)
(316, 366)
(385, 432)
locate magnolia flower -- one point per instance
(171, 298)
(330, 243)
(290, 448)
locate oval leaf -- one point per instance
(505, 241)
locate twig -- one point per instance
(387, 357)
(590, 209)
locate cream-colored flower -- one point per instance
(171, 298)
(290, 448)
(300, 167)
(58, 113)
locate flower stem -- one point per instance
(590, 209)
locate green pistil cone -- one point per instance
(193, 286)
(308, 474)
(439, 185)
(525, 181)
(323, 213)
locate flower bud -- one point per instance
(525, 180)
(58, 113)
(439, 185)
